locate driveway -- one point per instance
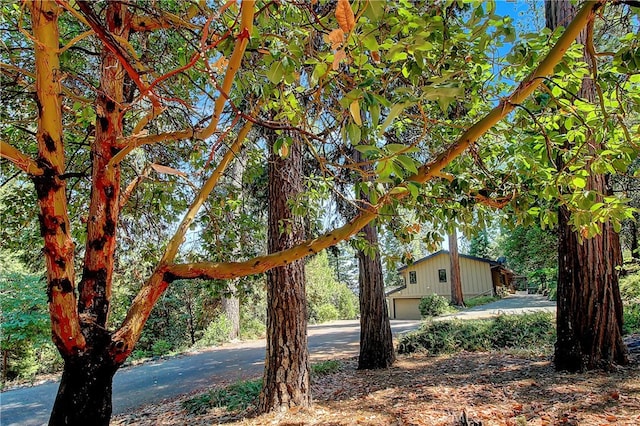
(155, 381)
(512, 304)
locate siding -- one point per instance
(476, 278)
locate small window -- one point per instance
(413, 279)
(442, 275)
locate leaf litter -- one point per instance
(467, 388)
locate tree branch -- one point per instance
(50, 189)
(21, 160)
(242, 40)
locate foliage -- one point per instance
(505, 331)
(630, 287)
(327, 298)
(216, 332)
(529, 249)
(433, 305)
(480, 300)
(631, 319)
(479, 245)
(26, 340)
(238, 396)
(241, 395)
(630, 293)
(326, 312)
(325, 367)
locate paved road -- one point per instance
(513, 304)
(152, 382)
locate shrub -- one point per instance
(216, 332)
(325, 367)
(252, 328)
(631, 319)
(433, 305)
(480, 300)
(326, 312)
(238, 396)
(160, 347)
(506, 331)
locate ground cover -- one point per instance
(489, 388)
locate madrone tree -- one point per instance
(138, 105)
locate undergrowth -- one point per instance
(480, 300)
(506, 331)
(241, 395)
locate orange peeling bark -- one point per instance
(50, 188)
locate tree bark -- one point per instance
(376, 340)
(633, 231)
(84, 394)
(286, 371)
(231, 309)
(457, 298)
(589, 315)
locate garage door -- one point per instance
(407, 308)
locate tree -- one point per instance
(457, 298)
(134, 106)
(286, 368)
(589, 318)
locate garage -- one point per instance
(406, 309)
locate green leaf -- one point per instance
(393, 113)
(276, 72)
(354, 133)
(579, 182)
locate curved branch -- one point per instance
(21, 160)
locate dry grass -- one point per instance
(495, 388)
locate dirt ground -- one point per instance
(494, 388)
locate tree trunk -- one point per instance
(635, 249)
(376, 341)
(286, 370)
(231, 302)
(589, 316)
(231, 308)
(84, 394)
(457, 298)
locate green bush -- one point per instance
(433, 305)
(326, 312)
(325, 367)
(480, 300)
(25, 335)
(630, 288)
(252, 328)
(160, 347)
(238, 396)
(324, 289)
(631, 319)
(217, 332)
(506, 331)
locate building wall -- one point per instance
(475, 275)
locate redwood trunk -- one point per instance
(376, 341)
(589, 316)
(286, 371)
(457, 298)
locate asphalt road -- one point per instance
(512, 304)
(155, 381)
